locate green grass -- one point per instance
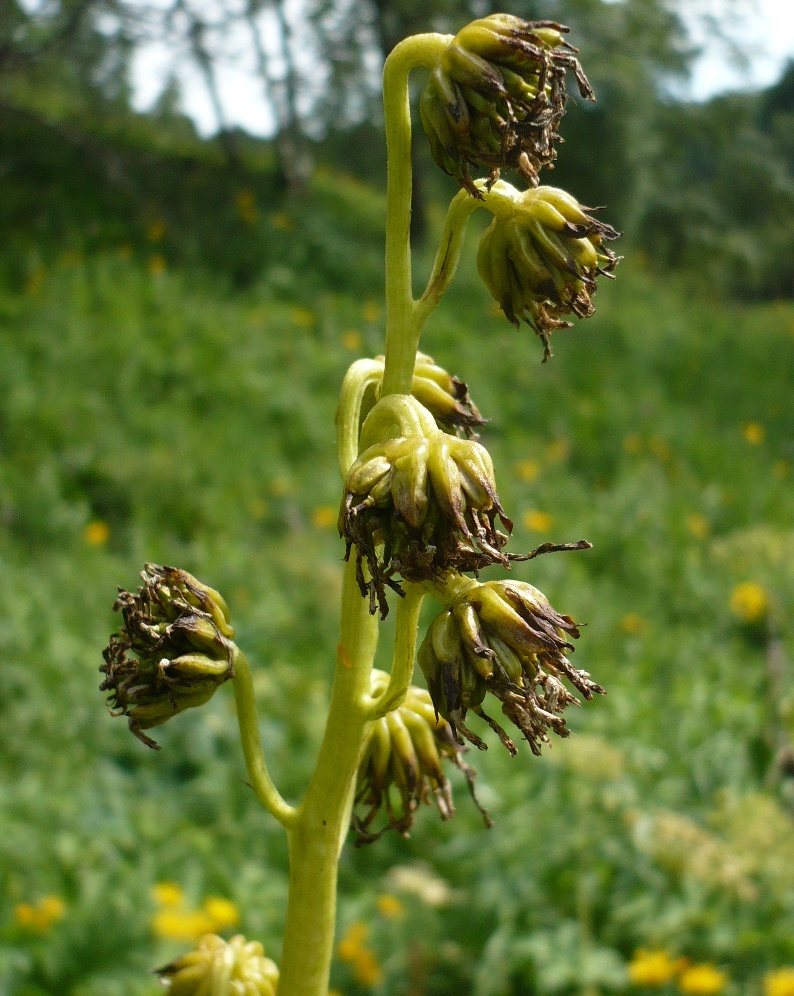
(198, 426)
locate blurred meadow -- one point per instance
(175, 323)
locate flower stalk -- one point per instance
(420, 508)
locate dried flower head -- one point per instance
(420, 505)
(175, 648)
(405, 751)
(503, 637)
(541, 262)
(497, 97)
(225, 968)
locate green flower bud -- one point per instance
(181, 636)
(505, 638)
(497, 96)
(224, 968)
(420, 505)
(403, 756)
(540, 262)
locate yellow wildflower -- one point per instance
(245, 206)
(52, 908)
(632, 624)
(156, 265)
(96, 533)
(223, 913)
(698, 525)
(702, 980)
(528, 470)
(538, 522)
(351, 339)
(156, 231)
(302, 317)
(366, 969)
(754, 433)
(558, 450)
(750, 602)
(257, 508)
(39, 918)
(353, 941)
(181, 925)
(632, 444)
(370, 312)
(779, 983)
(324, 516)
(282, 222)
(389, 906)
(168, 894)
(653, 968)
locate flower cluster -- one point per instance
(497, 96)
(181, 637)
(405, 749)
(176, 920)
(505, 638)
(225, 968)
(419, 505)
(354, 950)
(540, 261)
(39, 918)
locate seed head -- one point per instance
(497, 96)
(503, 637)
(541, 262)
(419, 505)
(405, 751)
(175, 648)
(226, 968)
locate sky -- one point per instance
(764, 29)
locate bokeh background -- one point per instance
(179, 301)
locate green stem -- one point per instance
(321, 821)
(402, 668)
(446, 262)
(262, 783)
(361, 376)
(401, 338)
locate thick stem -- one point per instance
(321, 821)
(251, 742)
(401, 339)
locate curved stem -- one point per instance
(251, 742)
(402, 668)
(462, 207)
(361, 375)
(322, 820)
(401, 341)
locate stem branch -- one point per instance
(262, 783)
(402, 668)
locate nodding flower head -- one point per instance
(175, 648)
(225, 968)
(405, 751)
(419, 505)
(541, 261)
(497, 96)
(503, 637)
